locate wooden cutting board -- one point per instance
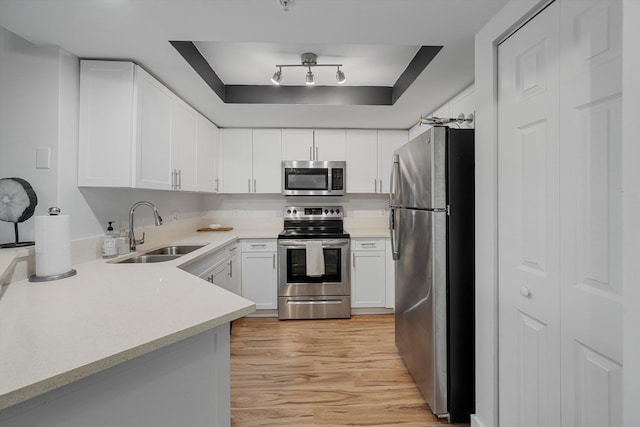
(216, 229)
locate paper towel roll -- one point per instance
(53, 245)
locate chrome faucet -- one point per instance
(132, 237)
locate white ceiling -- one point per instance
(244, 39)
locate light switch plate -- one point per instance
(43, 158)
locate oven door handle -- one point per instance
(302, 245)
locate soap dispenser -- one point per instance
(109, 248)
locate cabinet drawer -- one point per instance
(367, 244)
(259, 245)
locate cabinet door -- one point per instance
(153, 133)
(267, 155)
(106, 124)
(220, 275)
(362, 161)
(297, 144)
(207, 173)
(234, 274)
(236, 160)
(388, 142)
(184, 130)
(330, 144)
(260, 279)
(367, 279)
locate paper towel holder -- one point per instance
(53, 211)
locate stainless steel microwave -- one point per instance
(313, 178)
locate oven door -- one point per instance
(292, 272)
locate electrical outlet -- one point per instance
(174, 215)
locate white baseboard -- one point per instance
(475, 421)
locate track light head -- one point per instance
(340, 78)
(309, 79)
(277, 77)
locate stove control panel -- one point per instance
(313, 212)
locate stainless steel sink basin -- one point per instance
(146, 259)
(174, 250)
(166, 253)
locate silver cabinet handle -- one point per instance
(179, 179)
(375, 185)
(249, 184)
(217, 182)
(230, 264)
(258, 245)
(353, 257)
(369, 245)
(310, 153)
(317, 155)
(274, 260)
(254, 185)
(174, 179)
(381, 186)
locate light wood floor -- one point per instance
(322, 373)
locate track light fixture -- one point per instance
(308, 60)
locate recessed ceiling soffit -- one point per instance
(316, 95)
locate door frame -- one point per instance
(509, 19)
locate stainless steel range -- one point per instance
(314, 280)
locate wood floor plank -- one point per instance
(310, 373)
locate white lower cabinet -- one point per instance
(368, 273)
(220, 268)
(260, 272)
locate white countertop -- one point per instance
(55, 333)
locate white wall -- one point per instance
(39, 93)
(28, 119)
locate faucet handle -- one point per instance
(140, 241)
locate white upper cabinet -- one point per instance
(134, 132)
(107, 127)
(184, 146)
(251, 160)
(330, 144)
(267, 160)
(236, 160)
(207, 146)
(362, 161)
(309, 144)
(369, 155)
(153, 154)
(297, 144)
(388, 142)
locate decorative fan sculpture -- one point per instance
(17, 204)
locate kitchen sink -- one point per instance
(174, 250)
(165, 253)
(146, 259)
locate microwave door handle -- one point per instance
(329, 179)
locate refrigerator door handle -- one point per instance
(395, 253)
(395, 168)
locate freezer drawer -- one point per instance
(314, 307)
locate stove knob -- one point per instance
(295, 211)
(331, 211)
(337, 211)
(289, 211)
(326, 211)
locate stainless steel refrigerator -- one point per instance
(432, 238)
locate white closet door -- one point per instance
(528, 215)
(591, 221)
